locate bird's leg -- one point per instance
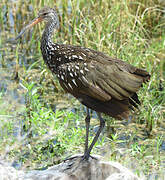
(87, 123)
(102, 124)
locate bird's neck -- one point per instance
(47, 34)
(46, 42)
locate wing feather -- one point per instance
(111, 81)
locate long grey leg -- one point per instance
(87, 122)
(102, 124)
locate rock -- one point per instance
(10, 173)
(72, 169)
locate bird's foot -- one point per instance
(71, 158)
(84, 157)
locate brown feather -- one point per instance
(109, 86)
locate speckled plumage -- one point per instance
(100, 82)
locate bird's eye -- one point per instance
(44, 14)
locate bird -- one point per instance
(101, 83)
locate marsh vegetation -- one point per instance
(40, 125)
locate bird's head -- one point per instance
(46, 14)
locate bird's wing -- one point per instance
(111, 78)
(94, 74)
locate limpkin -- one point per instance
(101, 83)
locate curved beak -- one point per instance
(31, 24)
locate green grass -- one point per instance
(129, 30)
